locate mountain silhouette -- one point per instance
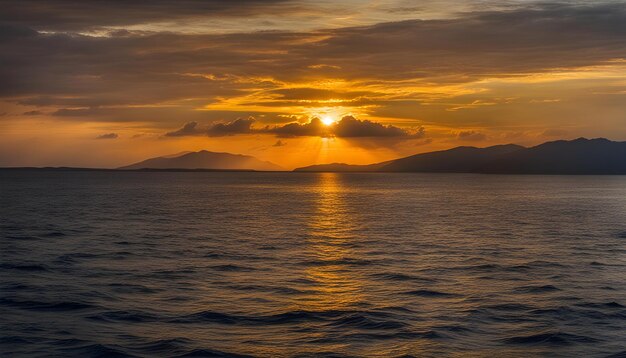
(455, 160)
(580, 156)
(205, 160)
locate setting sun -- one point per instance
(328, 120)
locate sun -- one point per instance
(328, 120)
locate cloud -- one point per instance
(346, 127)
(323, 66)
(313, 128)
(471, 136)
(349, 127)
(188, 129)
(317, 94)
(151, 68)
(108, 136)
(279, 143)
(84, 15)
(238, 126)
(32, 113)
(553, 132)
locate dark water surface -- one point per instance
(303, 264)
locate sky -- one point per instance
(108, 83)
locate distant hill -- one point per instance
(580, 156)
(205, 160)
(455, 160)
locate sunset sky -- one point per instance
(108, 83)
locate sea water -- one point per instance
(165, 264)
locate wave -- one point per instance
(377, 336)
(346, 261)
(565, 312)
(513, 307)
(361, 321)
(210, 316)
(355, 319)
(15, 340)
(491, 268)
(75, 257)
(214, 255)
(454, 329)
(24, 267)
(234, 268)
(537, 289)
(211, 353)
(132, 288)
(169, 347)
(280, 290)
(550, 338)
(98, 351)
(53, 234)
(21, 237)
(45, 306)
(611, 304)
(391, 276)
(124, 316)
(430, 293)
(70, 342)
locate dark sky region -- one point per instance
(106, 83)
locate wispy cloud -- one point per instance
(108, 136)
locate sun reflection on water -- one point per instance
(331, 238)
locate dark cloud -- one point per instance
(311, 129)
(351, 127)
(473, 136)
(83, 15)
(190, 128)
(108, 136)
(159, 116)
(347, 127)
(238, 126)
(32, 113)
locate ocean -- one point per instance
(220, 264)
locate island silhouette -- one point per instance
(579, 156)
(205, 160)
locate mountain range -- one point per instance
(579, 156)
(205, 160)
